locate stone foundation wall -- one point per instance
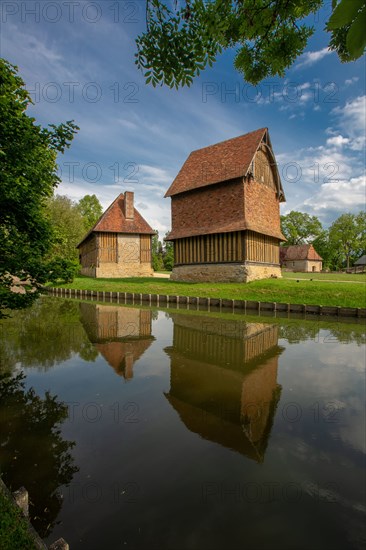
(113, 270)
(225, 273)
(88, 271)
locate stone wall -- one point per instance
(128, 264)
(303, 265)
(225, 273)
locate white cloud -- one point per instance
(337, 141)
(351, 81)
(309, 58)
(349, 194)
(352, 117)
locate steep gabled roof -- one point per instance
(113, 221)
(223, 161)
(300, 252)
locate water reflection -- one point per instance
(33, 452)
(120, 334)
(224, 384)
(42, 336)
(223, 381)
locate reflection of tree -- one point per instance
(33, 453)
(43, 335)
(297, 331)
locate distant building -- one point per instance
(360, 264)
(302, 257)
(119, 244)
(226, 212)
(361, 261)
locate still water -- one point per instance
(183, 430)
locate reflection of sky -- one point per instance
(146, 479)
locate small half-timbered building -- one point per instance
(119, 244)
(226, 212)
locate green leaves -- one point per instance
(356, 37)
(347, 24)
(267, 34)
(300, 228)
(345, 12)
(28, 176)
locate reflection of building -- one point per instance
(224, 380)
(120, 334)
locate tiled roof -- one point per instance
(220, 162)
(113, 221)
(300, 252)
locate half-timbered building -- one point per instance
(226, 212)
(119, 244)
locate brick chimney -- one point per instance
(128, 205)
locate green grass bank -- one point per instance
(14, 532)
(287, 290)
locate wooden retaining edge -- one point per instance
(167, 300)
(20, 499)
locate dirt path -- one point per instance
(326, 280)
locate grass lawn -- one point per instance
(353, 277)
(266, 290)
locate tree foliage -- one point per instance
(162, 254)
(347, 236)
(28, 176)
(68, 227)
(347, 25)
(300, 228)
(268, 36)
(90, 209)
(33, 452)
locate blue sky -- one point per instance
(77, 58)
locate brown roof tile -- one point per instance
(220, 162)
(114, 221)
(300, 252)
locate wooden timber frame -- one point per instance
(236, 246)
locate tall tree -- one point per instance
(348, 234)
(68, 227)
(268, 34)
(90, 209)
(327, 250)
(300, 228)
(168, 255)
(157, 253)
(28, 176)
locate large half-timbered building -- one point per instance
(226, 212)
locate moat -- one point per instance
(185, 429)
